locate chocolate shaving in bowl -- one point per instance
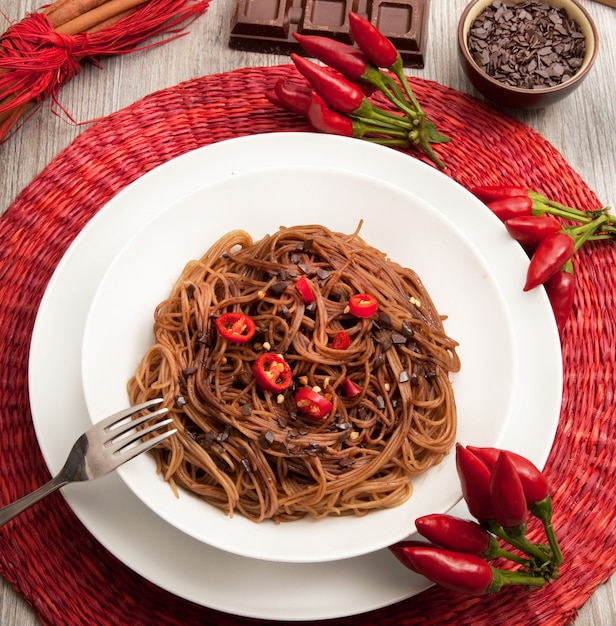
(530, 45)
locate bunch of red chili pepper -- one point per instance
(501, 489)
(531, 219)
(335, 99)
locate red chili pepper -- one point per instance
(533, 481)
(534, 486)
(410, 543)
(475, 479)
(508, 208)
(530, 230)
(508, 498)
(549, 257)
(372, 42)
(560, 289)
(293, 96)
(270, 94)
(235, 327)
(363, 305)
(339, 93)
(466, 573)
(272, 372)
(367, 88)
(325, 120)
(341, 341)
(490, 193)
(351, 389)
(311, 403)
(346, 59)
(305, 290)
(455, 533)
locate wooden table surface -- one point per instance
(582, 128)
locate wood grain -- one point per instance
(583, 129)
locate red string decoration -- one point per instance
(36, 59)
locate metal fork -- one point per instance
(100, 450)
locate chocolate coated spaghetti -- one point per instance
(245, 449)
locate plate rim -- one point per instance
(387, 163)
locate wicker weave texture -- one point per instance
(487, 148)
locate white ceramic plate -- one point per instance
(144, 541)
(118, 333)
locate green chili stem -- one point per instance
(543, 511)
(389, 88)
(392, 118)
(541, 208)
(557, 555)
(563, 209)
(556, 208)
(520, 542)
(414, 118)
(424, 144)
(581, 234)
(398, 69)
(371, 125)
(500, 552)
(603, 236)
(505, 577)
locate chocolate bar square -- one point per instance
(268, 25)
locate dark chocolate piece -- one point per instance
(268, 25)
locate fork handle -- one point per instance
(8, 512)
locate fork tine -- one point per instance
(144, 446)
(121, 415)
(115, 431)
(119, 444)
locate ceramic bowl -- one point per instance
(515, 97)
(486, 388)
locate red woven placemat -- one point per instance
(68, 577)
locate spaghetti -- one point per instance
(389, 406)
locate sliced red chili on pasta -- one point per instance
(236, 327)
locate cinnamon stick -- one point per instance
(55, 6)
(12, 116)
(64, 11)
(110, 22)
(97, 15)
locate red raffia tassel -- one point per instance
(44, 51)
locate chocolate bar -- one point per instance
(268, 25)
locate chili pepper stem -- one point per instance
(539, 207)
(393, 118)
(543, 511)
(395, 123)
(427, 148)
(557, 555)
(505, 577)
(581, 234)
(556, 208)
(530, 548)
(413, 135)
(370, 125)
(398, 69)
(510, 556)
(519, 541)
(389, 88)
